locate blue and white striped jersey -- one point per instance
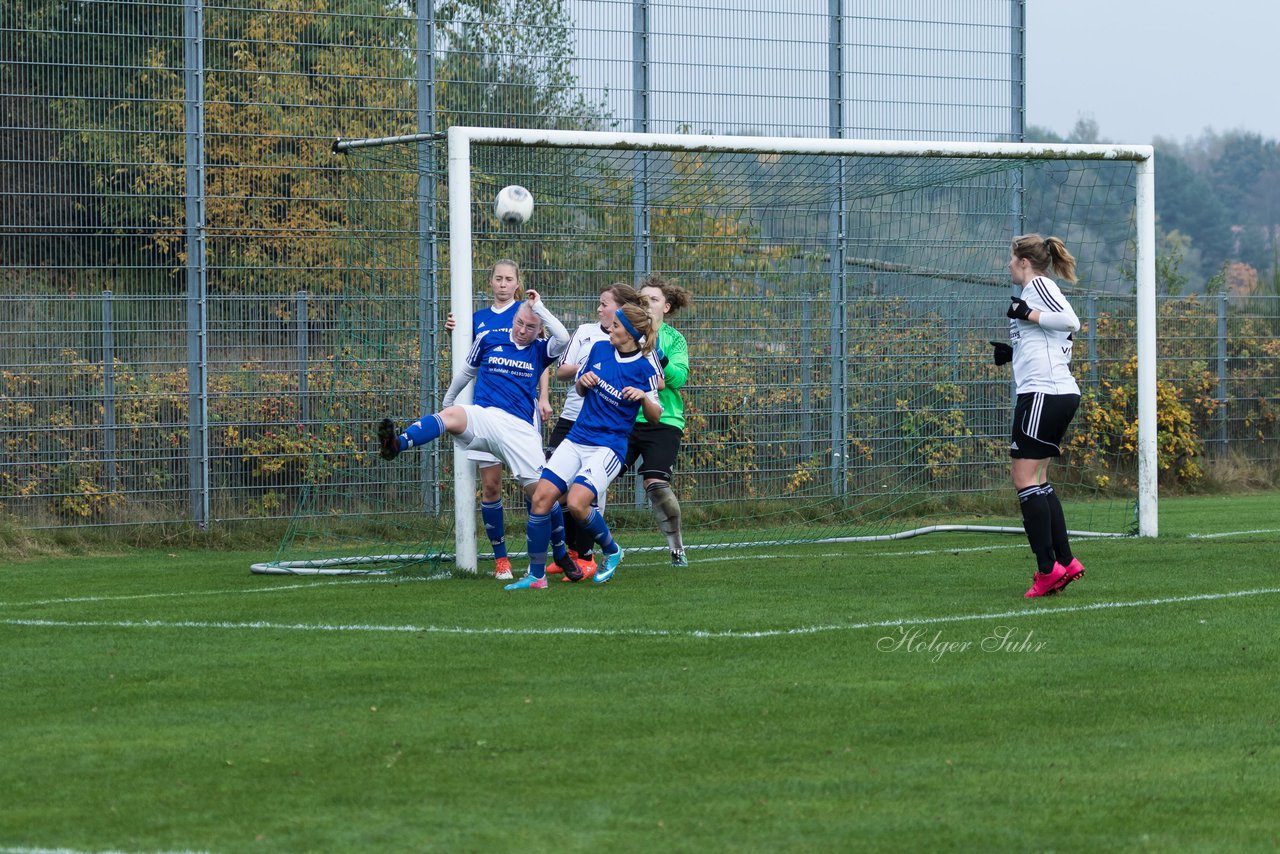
(606, 419)
(487, 320)
(1042, 351)
(507, 375)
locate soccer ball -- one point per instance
(514, 205)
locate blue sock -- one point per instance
(494, 526)
(424, 430)
(539, 533)
(600, 531)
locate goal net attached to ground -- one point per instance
(845, 292)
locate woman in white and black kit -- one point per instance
(1041, 325)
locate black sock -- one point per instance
(570, 530)
(1035, 521)
(1057, 525)
(586, 541)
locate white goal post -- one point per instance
(462, 139)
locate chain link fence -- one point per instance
(175, 232)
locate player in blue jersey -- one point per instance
(581, 543)
(618, 379)
(502, 419)
(505, 283)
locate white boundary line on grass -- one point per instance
(329, 581)
(126, 597)
(1233, 534)
(655, 633)
(443, 576)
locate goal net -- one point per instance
(844, 297)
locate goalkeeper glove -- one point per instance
(1018, 309)
(1003, 354)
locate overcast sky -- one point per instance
(1147, 68)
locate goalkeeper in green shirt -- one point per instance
(655, 446)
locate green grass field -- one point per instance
(874, 697)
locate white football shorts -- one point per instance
(504, 438)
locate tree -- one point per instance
(1246, 169)
(65, 122)
(1236, 162)
(1187, 202)
(508, 63)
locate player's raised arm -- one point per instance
(465, 374)
(559, 335)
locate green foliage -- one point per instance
(259, 447)
(911, 416)
(1188, 406)
(509, 63)
(296, 79)
(1187, 204)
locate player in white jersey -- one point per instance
(581, 543)
(503, 419)
(1041, 326)
(505, 284)
(617, 380)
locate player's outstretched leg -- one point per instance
(425, 429)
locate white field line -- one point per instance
(247, 591)
(326, 582)
(1233, 534)
(377, 579)
(655, 633)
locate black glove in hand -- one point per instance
(1003, 354)
(1018, 309)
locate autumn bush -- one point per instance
(923, 412)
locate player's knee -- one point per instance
(454, 419)
(662, 495)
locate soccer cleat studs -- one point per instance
(1047, 583)
(388, 440)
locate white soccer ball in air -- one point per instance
(514, 205)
